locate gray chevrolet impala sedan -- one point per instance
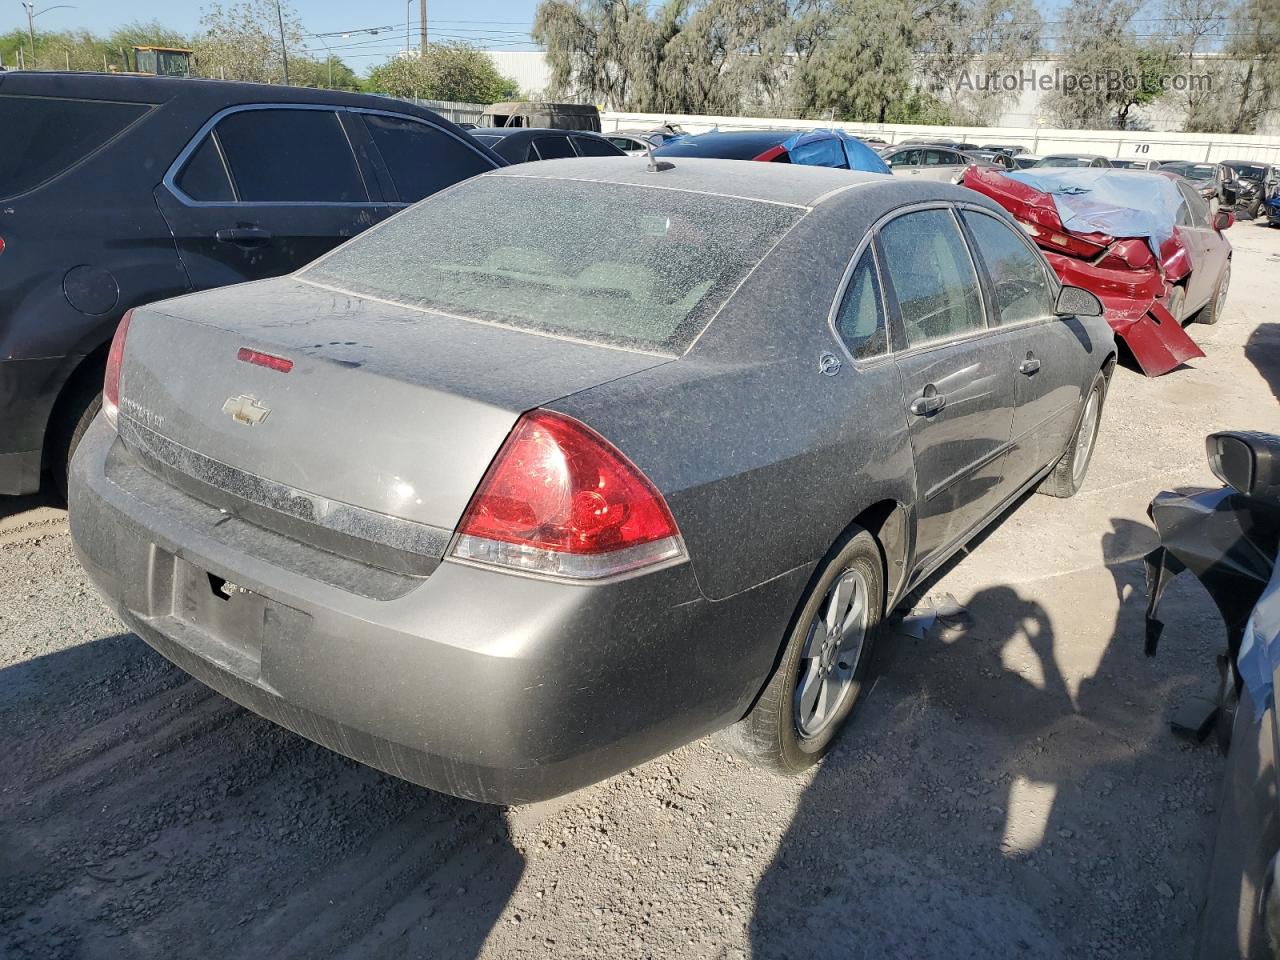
(577, 461)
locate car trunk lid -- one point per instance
(373, 439)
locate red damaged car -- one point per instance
(1146, 243)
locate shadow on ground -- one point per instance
(157, 819)
(1263, 350)
(1082, 827)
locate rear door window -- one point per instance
(204, 176)
(552, 148)
(42, 137)
(587, 147)
(1197, 214)
(860, 319)
(290, 156)
(421, 158)
(1022, 290)
(933, 277)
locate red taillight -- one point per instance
(268, 360)
(1, 244)
(559, 499)
(111, 383)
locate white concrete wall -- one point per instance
(528, 68)
(1041, 140)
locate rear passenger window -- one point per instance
(552, 148)
(594, 148)
(204, 177)
(283, 156)
(1197, 211)
(43, 136)
(1021, 288)
(422, 159)
(932, 275)
(860, 319)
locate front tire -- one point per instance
(1067, 476)
(824, 665)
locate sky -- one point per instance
(490, 24)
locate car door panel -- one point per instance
(1045, 351)
(959, 394)
(253, 233)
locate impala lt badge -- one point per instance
(245, 409)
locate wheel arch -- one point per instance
(91, 367)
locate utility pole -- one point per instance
(31, 28)
(422, 26)
(32, 13)
(284, 54)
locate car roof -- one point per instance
(795, 184)
(149, 89)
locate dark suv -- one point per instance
(117, 191)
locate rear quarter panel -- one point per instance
(763, 459)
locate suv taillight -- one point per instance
(111, 382)
(560, 500)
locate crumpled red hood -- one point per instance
(1122, 272)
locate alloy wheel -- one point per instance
(832, 651)
(1084, 439)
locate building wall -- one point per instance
(528, 68)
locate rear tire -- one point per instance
(1211, 312)
(75, 411)
(1067, 476)
(785, 731)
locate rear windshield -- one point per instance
(1064, 162)
(43, 136)
(627, 266)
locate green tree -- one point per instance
(444, 71)
(1254, 80)
(863, 71)
(1107, 70)
(242, 41)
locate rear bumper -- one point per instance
(485, 685)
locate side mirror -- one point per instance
(1077, 302)
(1223, 219)
(1246, 461)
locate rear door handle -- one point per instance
(243, 236)
(928, 404)
(1029, 366)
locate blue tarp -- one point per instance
(1116, 202)
(834, 148)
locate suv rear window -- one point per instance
(44, 136)
(608, 263)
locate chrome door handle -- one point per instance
(928, 404)
(1029, 366)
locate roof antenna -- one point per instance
(656, 165)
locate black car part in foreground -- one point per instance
(120, 190)
(1229, 539)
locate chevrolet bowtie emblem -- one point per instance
(245, 409)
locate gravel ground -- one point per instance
(1009, 788)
